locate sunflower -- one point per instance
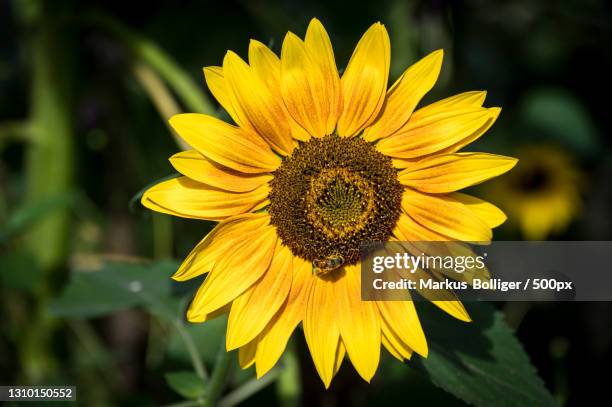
(315, 165)
(543, 194)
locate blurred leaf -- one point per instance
(560, 116)
(186, 383)
(481, 362)
(118, 286)
(18, 270)
(27, 215)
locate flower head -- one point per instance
(543, 193)
(315, 165)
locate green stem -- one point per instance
(248, 389)
(218, 377)
(196, 359)
(162, 236)
(167, 107)
(157, 90)
(49, 159)
(149, 52)
(155, 344)
(288, 385)
(48, 172)
(92, 345)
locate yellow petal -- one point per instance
(220, 242)
(261, 205)
(303, 87)
(400, 164)
(446, 300)
(273, 340)
(465, 100)
(364, 82)
(451, 172)
(320, 329)
(186, 198)
(404, 96)
(217, 86)
(443, 299)
(215, 314)
(426, 135)
(454, 308)
(320, 49)
(407, 229)
(415, 239)
(446, 215)
(493, 115)
(462, 102)
(403, 321)
(246, 354)
(267, 67)
(447, 248)
(394, 345)
(489, 213)
(339, 357)
(297, 131)
(255, 104)
(392, 351)
(359, 323)
(232, 275)
(199, 168)
(225, 144)
(252, 311)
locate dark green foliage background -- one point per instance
(89, 301)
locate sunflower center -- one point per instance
(534, 179)
(330, 196)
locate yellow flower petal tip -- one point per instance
(313, 165)
(177, 277)
(495, 111)
(438, 54)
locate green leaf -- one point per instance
(118, 286)
(25, 216)
(186, 383)
(480, 362)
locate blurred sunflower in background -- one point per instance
(542, 194)
(316, 165)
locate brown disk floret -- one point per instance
(330, 196)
